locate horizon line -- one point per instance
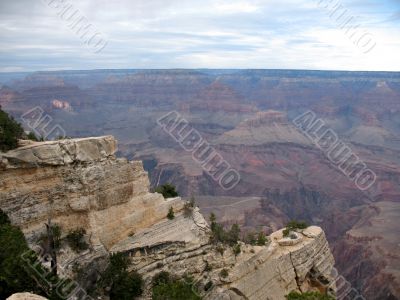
(189, 69)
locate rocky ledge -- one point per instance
(80, 183)
(61, 152)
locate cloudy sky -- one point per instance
(287, 34)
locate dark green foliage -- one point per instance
(56, 231)
(19, 266)
(123, 285)
(4, 220)
(224, 273)
(308, 296)
(162, 278)
(167, 287)
(261, 239)
(76, 240)
(171, 214)
(118, 264)
(293, 225)
(10, 132)
(207, 267)
(13, 276)
(208, 286)
(219, 234)
(213, 219)
(167, 190)
(31, 136)
(251, 238)
(233, 235)
(127, 286)
(236, 249)
(220, 249)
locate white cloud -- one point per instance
(211, 33)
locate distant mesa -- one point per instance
(60, 104)
(264, 127)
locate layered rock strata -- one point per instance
(79, 183)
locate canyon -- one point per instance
(247, 116)
(80, 183)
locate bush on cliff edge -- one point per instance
(308, 296)
(10, 132)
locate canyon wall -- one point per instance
(79, 183)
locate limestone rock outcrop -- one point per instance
(80, 183)
(258, 272)
(25, 296)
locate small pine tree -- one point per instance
(213, 220)
(261, 239)
(10, 132)
(233, 234)
(167, 190)
(122, 285)
(171, 214)
(251, 238)
(224, 273)
(293, 225)
(31, 136)
(236, 250)
(76, 240)
(4, 219)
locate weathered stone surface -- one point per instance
(61, 152)
(25, 296)
(181, 246)
(81, 184)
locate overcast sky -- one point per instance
(287, 34)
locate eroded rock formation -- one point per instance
(79, 183)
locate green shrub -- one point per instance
(220, 249)
(4, 219)
(219, 234)
(208, 286)
(76, 240)
(31, 136)
(171, 214)
(236, 249)
(162, 278)
(167, 190)
(122, 284)
(56, 232)
(261, 239)
(224, 273)
(251, 238)
(10, 132)
(167, 287)
(307, 296)
(293, 225)
(207, 267)
(19, 265)
(126, 286)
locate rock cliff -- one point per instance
(79, 183)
